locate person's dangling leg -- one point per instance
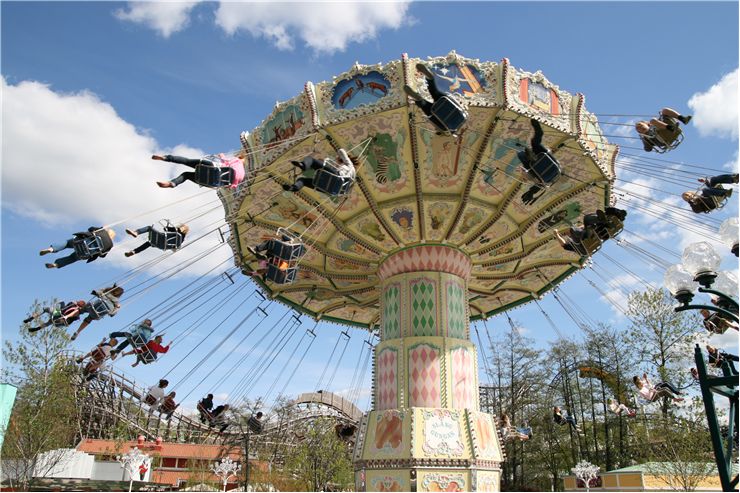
(140, 231)
(671, 113)
(188, 175)
(311, 162)
(715, 192)
(536, 142)
(63, 261)
(138, 249)
(182, 160)
(669, 386)
(713, 181)
(58, 247)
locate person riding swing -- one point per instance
(711, 195)
(170, 238)
(210, 171)
(445, 111)
(282, 255)
(539, 165)
(662, 134)
(60, 315)
(88, 245)
(331, 177)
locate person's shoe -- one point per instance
(735, 177)
(412, 94)
(421, 67)
(703, 180)
(52, 266)
(74, 336)
(728, 193)
(51, 250)
(157, 157)
(78, 360)
(684, 119)
(165, 184)
(113, 354)
(298, 164)
(286, 187)
(25, 321)
(128, 254)
(132, 232)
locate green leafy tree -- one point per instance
(45, 416)
(662, 339)
(683, 458)
(321, 460)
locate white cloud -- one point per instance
(715, 111)
(322, 26)
(165, 18)
(70, 159)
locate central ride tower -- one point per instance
(425, 432)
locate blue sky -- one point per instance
(91, 89)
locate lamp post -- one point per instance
(699, 273)
(130, 463)
(728, 233)
(585, 471)
(225, 469)
(254, 425)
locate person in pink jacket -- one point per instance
(231, 165)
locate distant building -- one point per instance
(175, 464)
(651, 476)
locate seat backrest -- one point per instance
(213, 176)
(165, 240)
(449, 113)
(284, 250)
(88, 246)
(100, 307)
(279, 276)
(331, 183)
(545, 170)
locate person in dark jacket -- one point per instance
(711, 194)
(181, 229)
(97, 239)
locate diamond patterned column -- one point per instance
(425, 432)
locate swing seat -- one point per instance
(668, 142)
(146, 357)
(100, 308)
(587, 246)
(334, 180)
(150, 399)
(609, 231)
(255, 425)
(448, 114)
(88, 247)
(713, 202)
(278, 276)
(213, 176)
(289, 249)
(165, 240)
(544, 171)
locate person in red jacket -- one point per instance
(148, 353)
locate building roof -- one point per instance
(652, 467)
(166, 449)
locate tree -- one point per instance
(684, 458)
(45, 416)
(321, 459)
(662, 338)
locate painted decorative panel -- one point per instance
(391, 321)
(443, 481)
(386, 390)
(387, 480)
(488, 481)
(442, 433)
(386, 433)
(457, 319)
(423, 307)
(484, 437)
(463, 378)
(424, 376)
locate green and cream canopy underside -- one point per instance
(417, 187)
